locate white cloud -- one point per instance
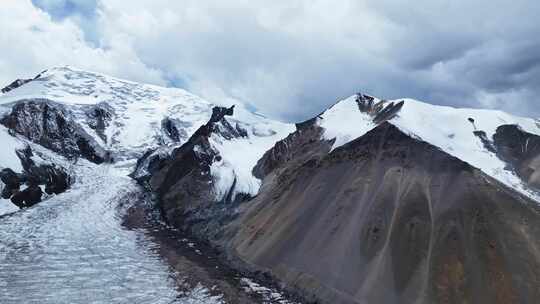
(293, 58)
(31, 41)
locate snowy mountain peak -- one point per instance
(110, 119)
(464, 133)
(354, 116)
(135, 112)
(75, 86)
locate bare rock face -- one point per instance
(488, 144)
(390, 219)
(182, 180)
(99, 118)
(15, 84)
(381, 111)
(170, 129)
(50, 125)
(27, 197)
(12, 182)
(54, 178)
(19, 82)
(521, 150)
(300, 146)
(149, 163)
(24, 189)
(183, 183)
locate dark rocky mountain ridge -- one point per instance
(49, 124)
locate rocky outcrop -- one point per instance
(381, 111)
(154, 160)
(27, 197)
(25, 189)
(99, 118)
(54, 178)
(169, 128)
(390, 219)
(19, 82)
(182, 179)
(50, 125)
(15, 84)
(149, 163)
(300, 146)
(488, 144)
(521, 150)
(12, 182)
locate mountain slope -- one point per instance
(137, 110)
(84, 114)
(76, 244)
(386, 218)
(372, 201)
(417, 198)
(464, 133)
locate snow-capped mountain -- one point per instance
(434, 203)
(137, 116)
(399, 202)
(467, 134)
(86, 131)
(120, 120)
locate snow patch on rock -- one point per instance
(268, 295)
(238, 156)
(452, 131)
(344, 122)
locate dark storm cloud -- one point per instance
(505, 66)
(291, 59)
(488, 52)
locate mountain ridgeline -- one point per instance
(371, 201)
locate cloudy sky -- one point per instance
(290, 59)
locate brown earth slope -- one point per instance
(390, 219)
